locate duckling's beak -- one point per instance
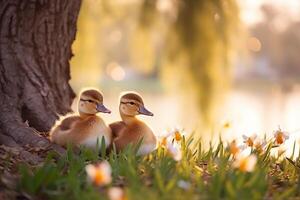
(101, 108)
(144, 111)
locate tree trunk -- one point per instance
(35, 49)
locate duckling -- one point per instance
(131, 129)
(86, 129)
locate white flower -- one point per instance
(234, 149)
(116, 193)
(260, 145)
(184, 184)
(245, 163)
(175, 152)
(163, 139)
(177, 134)
(280, 136)
(99, 174)
(249, 140)
(166, 133)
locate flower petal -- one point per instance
(90, 170)
(116, 193)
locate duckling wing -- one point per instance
(60, 133)
(77, 130)
(133, 134)
(130, 134)
(117, 128)
(67, 123)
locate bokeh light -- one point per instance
(254, 44)
(115, 71)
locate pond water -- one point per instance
(263, 110)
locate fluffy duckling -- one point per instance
(86, 129)
(131, 129)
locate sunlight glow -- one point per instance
(251, 14)
(164, 5)
(245, 113)
(254, 44)
(116, 36)
(115, 71)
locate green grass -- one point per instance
(207, 174)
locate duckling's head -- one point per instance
(91, 102)
(131, 104)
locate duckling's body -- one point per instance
(132, 133)
(131, 130)
(117, 128)
(86, 129)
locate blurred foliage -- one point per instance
(85, 64)
(200, 44)
(187, 44)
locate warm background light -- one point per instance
(254, 44)
(115, 71)
(114, 55)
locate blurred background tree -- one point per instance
(279, 40)
(184, 46)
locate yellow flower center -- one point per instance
(243, 164)
(226, 125)
(163, 142)
(249, 142)
(99, 177)
(233, 148)
(177, 136)
(279, 138)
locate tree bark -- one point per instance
(35, 50)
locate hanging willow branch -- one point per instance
(199, 41)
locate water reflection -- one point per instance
(262, 110)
